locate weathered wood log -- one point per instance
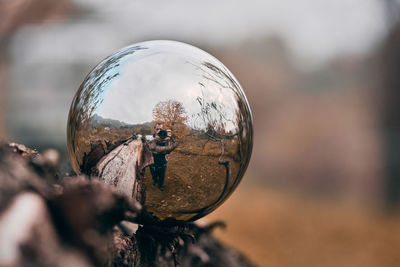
(27, 233)
(121, 168)
(28, 236)
(81, 221)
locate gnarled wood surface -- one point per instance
(79, 221)
(120, 167)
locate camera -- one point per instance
(162, 134)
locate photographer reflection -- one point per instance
(157, 129)
(162, 144)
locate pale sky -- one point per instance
(315, 30)
(150, 76)
(53, 59)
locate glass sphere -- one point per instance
(165, 123)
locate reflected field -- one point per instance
(197, 183)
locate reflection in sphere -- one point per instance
(165, 123)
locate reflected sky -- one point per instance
(149, 76)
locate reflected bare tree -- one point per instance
(172, 114)
(215, 116)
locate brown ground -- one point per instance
(280, 229)
(192, 185)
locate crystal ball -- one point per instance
(164, 123)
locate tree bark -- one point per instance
(81, 221)
(119, 168)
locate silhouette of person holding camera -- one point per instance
(161, 145)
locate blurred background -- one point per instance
(322, 79)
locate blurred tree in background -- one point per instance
(15, 14)
(390, 106)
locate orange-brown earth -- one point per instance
(285, 229)
(191, 182)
